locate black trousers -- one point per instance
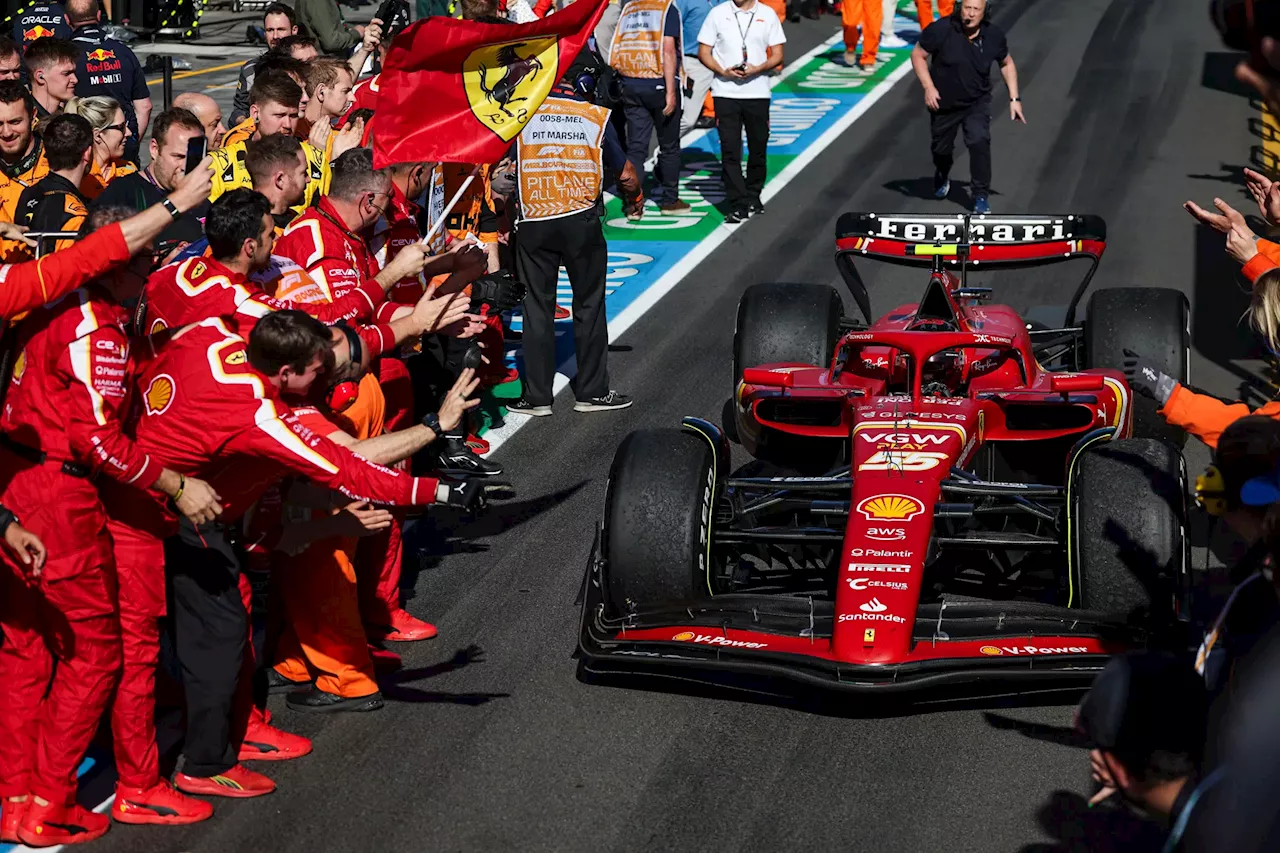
(577, 243)
(210, 626)
(643, 107)
(976, 121)
(732, 115)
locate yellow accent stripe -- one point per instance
(181, 74)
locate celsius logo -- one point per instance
(864, 583)
(887, 534)
(711, 640)
(873, 606)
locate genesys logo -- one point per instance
(871, 617)
(996, 651)
(712, 640)
(863, 568)
(868, 583)
(881, 552)
(887, 534)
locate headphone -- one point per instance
(342, 394)
(1211, 492)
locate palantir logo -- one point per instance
(873, 606)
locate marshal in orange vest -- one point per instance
(560, 158)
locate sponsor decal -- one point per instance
(879, 552)
(995, 651)
(19, 367)
(890, 507)
(197, 269)
(880, 567)
(712, 640)
(237, 357)
(869, 635)
(904, 439)
(887, 534)
(37, 32)
(157, 325)
(871, 617)
(903, 460)
(990, 230)
(159, 394)
(867, 583)
(100, 54)
(875, 605)
(945, 401)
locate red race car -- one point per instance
(950, 493)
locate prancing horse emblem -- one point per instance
(506, 82)
(503, 93)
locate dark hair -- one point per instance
(167, 119)
(1249, 447)
(281, 9)
(473, 10)
(277, 60)
(365, 113)
(49, 51)
(8, 47)
(286, 45)
(235, 217)
(12, 91)
(353, 174)
(265, 155)
(1161, 765)
(66, 138)
(101, 217)
(275, 86)
(288, 339)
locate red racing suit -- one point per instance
(62, 426)
(28, 285)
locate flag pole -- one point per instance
(439, 223)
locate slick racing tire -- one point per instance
(787, 322)
(1153, 322)
(1127, 538)
(658, 514)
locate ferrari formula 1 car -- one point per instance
(950, 493)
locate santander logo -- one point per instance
(873, 606)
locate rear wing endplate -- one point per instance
(961, 240)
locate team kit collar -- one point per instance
(26, 162)
(401, 209)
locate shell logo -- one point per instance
(990, 650)
(684, 635)
(890, 508)
(157, 325)
(159, 394)
(20, 366)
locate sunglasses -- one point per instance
(122, 127)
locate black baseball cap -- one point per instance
(1145, 702)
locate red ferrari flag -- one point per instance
(460, 91)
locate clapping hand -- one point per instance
(1266, 193)
(1242, 243)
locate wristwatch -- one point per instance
(172, 208)
(1015, 99)
(431, 421)
(7, 517)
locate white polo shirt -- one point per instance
(726, 30)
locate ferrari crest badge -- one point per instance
(505, 82)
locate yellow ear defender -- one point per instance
(1211, 492)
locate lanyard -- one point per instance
(742, 33)
(1180, 826)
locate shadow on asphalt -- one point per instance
(1080, 829)
(395, 686)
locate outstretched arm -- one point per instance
(1009, 72)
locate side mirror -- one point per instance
(763, 376)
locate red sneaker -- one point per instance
(385, 661)
(562, 313)
(263, 742)
(11, 814)
(239, 782)
(477, 444)
(53, 824)
(408, 629)
(159, 804)
(494, 378)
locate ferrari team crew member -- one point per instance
(1204, 415)
(110, 131)
(277, 168)
(22, 157)
(646, 54)
(250, 439)
(108, 67)
(51, 71)
(55, 203)
(560, 225)
(26, 286)
(62, 427)
(170, 133)
(957, 91)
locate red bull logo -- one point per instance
(37, 32)
(100, 55)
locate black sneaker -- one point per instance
(741, 214)
(756, 207)
(316, 701)
(457, 458)
(277, 683)
(524, 407)
(705, 122)
(608, 403)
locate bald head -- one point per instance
(972, 13)
(205, 109)
(81, 11)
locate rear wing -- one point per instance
(962, 240)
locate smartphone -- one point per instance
(196, 147)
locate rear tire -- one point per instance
(658, 520)
(1127, 513)
(788, 322)
(1151, 321)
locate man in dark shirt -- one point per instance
(40, 20)
(957, 91)
(278, 22)
(54, 203)
(108, 67)
(172, 130)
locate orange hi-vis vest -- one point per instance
(636, 50)
(559, 153)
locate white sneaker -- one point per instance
(892, 41)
